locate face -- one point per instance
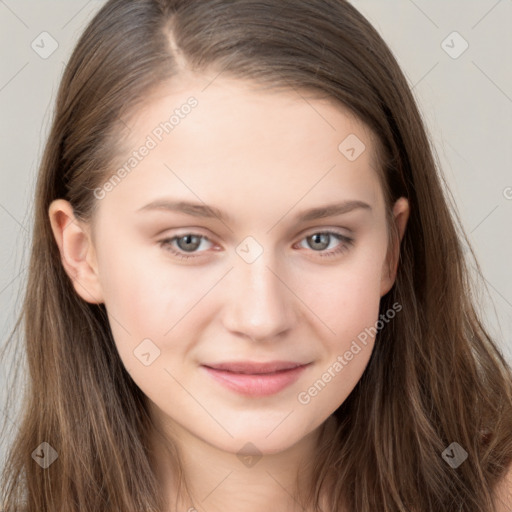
(218, 245)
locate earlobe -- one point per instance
(76, 250)
(390, 267)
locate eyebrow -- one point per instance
(206, 211)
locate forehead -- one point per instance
(241, 140)
(247, 108)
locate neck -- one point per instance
(221, 481)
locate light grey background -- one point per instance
(466, 102)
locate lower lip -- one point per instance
(256, 385)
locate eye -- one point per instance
(185, 246)
(187, 243)
(320, 241)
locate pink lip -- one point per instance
(256, 379)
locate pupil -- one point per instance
(188, 238)
(316, 241)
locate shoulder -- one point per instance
(504, 492)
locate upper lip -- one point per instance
(251, 367)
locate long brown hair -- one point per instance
(435, 376)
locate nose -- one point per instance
(259, 305)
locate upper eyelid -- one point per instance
(313, 231)
(306, 233)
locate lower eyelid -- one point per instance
(167, 243)
(343, 244)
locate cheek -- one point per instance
(348, 304)
(141, 286)
(155, 302)
(346, 296)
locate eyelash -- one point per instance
(166, 244)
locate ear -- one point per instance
(76, 250)
(390, 266)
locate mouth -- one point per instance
(256, 379)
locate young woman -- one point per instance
(247, 289)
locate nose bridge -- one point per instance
(260, 305)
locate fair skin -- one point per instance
(504, 493)
(262, 158)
